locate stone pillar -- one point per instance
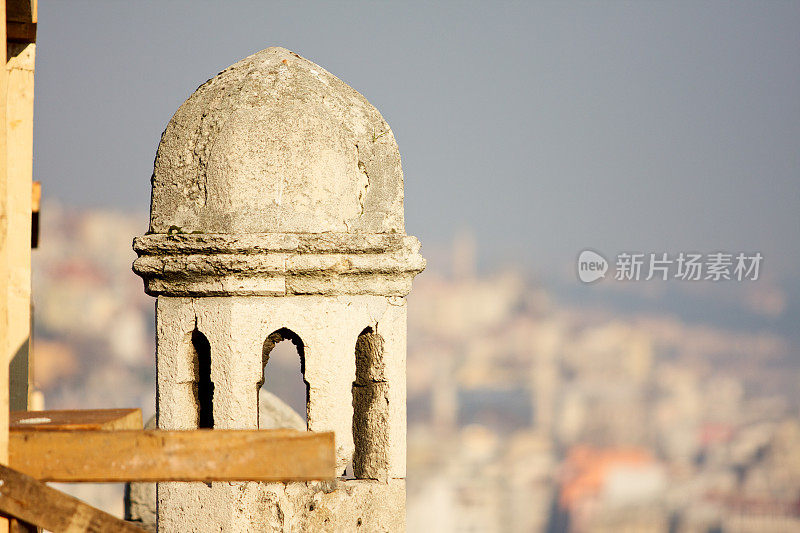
(277, 213)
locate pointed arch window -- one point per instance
(283, 390)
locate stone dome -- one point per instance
(276, 144)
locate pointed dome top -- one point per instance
(276, 144)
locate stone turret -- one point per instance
(277, 214)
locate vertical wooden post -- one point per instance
(18, 29)
(4, 342)
(3, 254)
(20, 61)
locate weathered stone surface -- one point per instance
(141, 499)
(344, 506)
(295, 243)
(371, 403)
(277, 264)
(277, 212)
(237, 327)
(275, 143)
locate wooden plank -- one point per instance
(4, 344)
(154, 455)
(25, 498)
(19, 138)
(4, 282)
(86, 419)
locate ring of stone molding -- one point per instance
(270, 264)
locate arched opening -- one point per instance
(283, 391)
(370, 408)
(203, 386)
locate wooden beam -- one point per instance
(153, 455)
(20, 67)
(25, 498)
(4, 252)
(85, 419)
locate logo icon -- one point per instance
(591, 266)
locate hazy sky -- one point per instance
(543, 127)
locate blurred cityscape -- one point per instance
(525, 413)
